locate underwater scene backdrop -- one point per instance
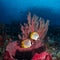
(13, 13)
(16, 10)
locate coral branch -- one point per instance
(34, 25)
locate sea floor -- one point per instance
(54, 52)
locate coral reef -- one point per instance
(35, 24)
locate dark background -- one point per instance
(17, 10)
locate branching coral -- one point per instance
(35, 24)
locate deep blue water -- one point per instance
(16, 10)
